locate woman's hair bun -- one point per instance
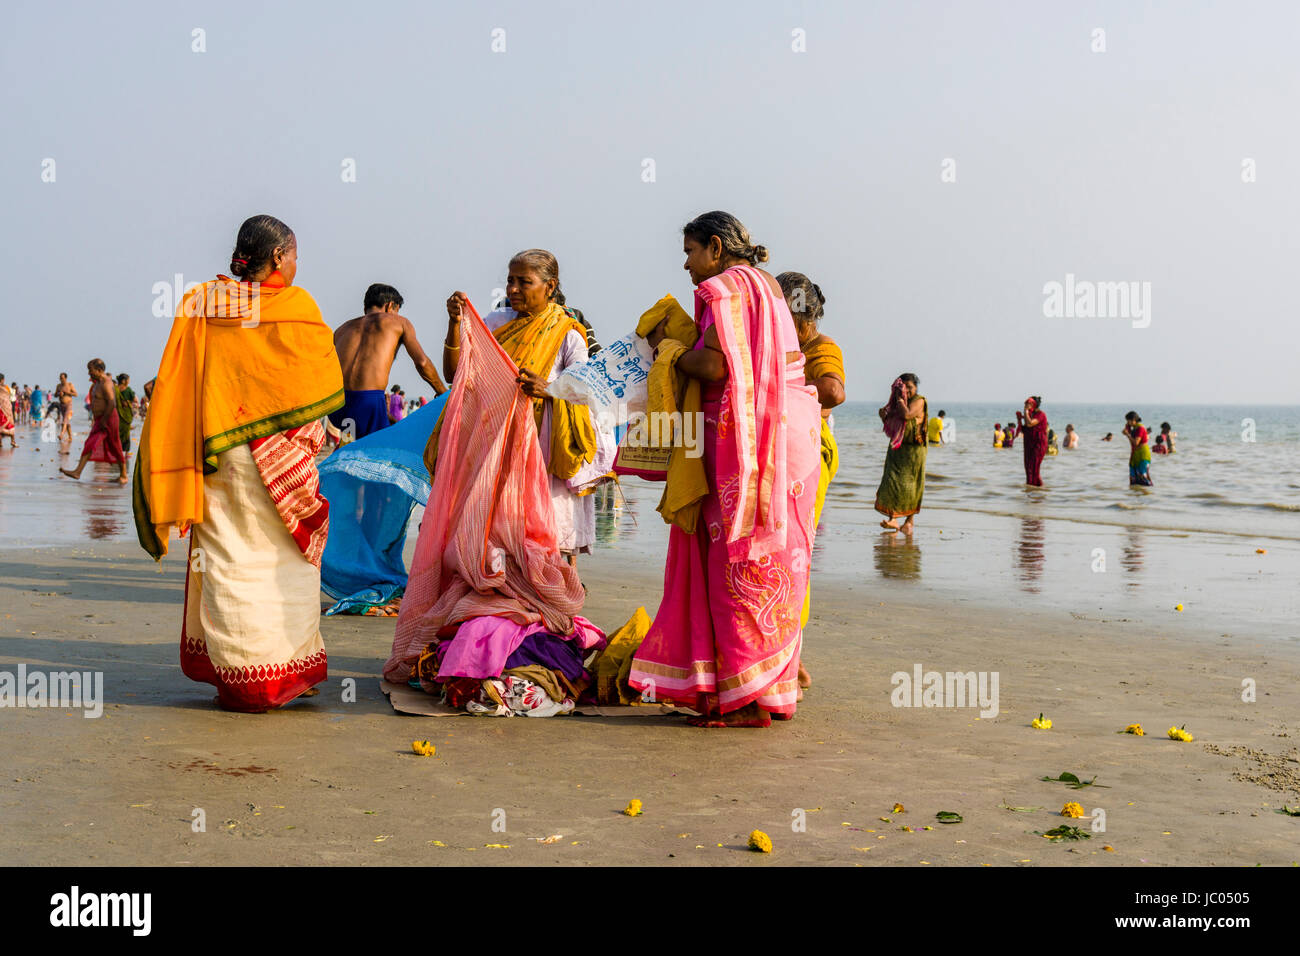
(760, 254)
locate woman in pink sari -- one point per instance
(727, 638)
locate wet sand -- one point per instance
(324, 781)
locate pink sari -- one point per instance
(487, 545)
(727, 633)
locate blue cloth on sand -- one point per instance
(368, 411)
(372, 485)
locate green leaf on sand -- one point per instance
(1067, 833)
(948, 816)
(1073, 782)
(1289, 811)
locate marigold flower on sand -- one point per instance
(1177, 733)
(1135, 729)
(423, 748)
(633, 808)
(1072, 809)
(760, 842)
(898, 808)
(1041, 723)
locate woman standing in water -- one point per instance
(1139, 459)
(903, 483)
(1033, 428)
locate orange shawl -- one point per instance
(242, 362)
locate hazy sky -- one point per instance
(1122, 165)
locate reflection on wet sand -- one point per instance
(1133, 557)
(610, 512)
(103, 506)
(1029, 552)
(898, 557)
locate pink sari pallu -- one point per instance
(727, 633)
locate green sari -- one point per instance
(125, 414)
(903, 483)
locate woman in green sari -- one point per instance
(903, 483)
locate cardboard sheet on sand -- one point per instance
(408, 700)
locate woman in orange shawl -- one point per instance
(227, 455)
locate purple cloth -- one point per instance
(485, 646)
(482, 645)
(896, 416)
(553, 653)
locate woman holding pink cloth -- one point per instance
(727, 638)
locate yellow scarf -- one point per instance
(533, 341)
(670, 392)
(242, 362)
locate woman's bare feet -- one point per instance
(805, 679)
(889, 525)
(907, 526)
(751, 715)
(74, 475)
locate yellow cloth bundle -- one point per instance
(680, 325)
(676, 397)
(614, 665)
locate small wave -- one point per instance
(1210, 499)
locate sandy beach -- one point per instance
(326, 781)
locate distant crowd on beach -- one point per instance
(111, 406)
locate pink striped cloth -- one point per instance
(755, 331)
(488, 544)
(896, 414)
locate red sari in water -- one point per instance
(727, 633)
(1035, 445)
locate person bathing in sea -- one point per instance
(1168, 434)
(1139, 459)
(1071, 438)
(1033, 429)
(903, 483)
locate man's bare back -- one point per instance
(367, 346)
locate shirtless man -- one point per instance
(104, 443)
(65, 392)
(367, 346)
